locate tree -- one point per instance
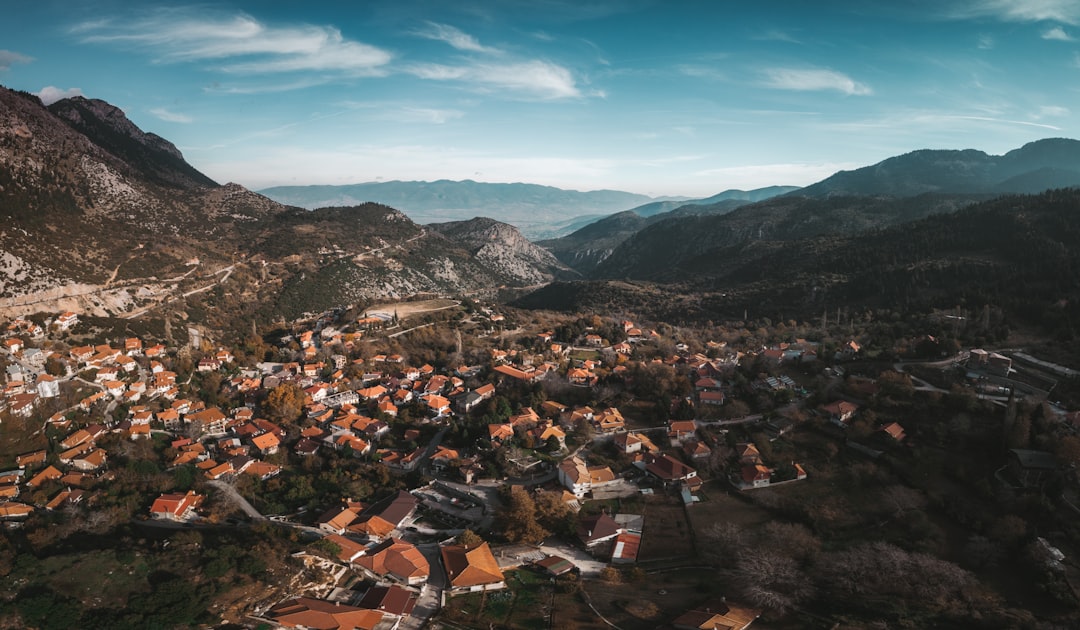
(54, 366)
(769, 579)
(518, 518)
(285, 402)
(468, 538)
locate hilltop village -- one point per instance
(461, 464)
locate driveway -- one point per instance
(430, 601)
(588, 565)
(237, 500)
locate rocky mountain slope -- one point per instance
(502, 248)
(107, 126)
(100, 217)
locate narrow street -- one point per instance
(430, 601)
(237, 500)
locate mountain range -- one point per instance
(534, 209)
(897, 190)
(1033, 168)
(103, 218)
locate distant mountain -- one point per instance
(1037, 166)
(529, 207)
(1009, 254)
(662, 250)
(588, 246)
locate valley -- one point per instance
(852, 404)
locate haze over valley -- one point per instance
(500, 314)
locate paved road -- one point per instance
(237, 499)
(430, 601)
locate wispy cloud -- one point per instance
(455, 37)
(1067, 11)
(240, 43)
(50, 94)
(1052, 111)
(702, 72)
(1004, 121)
(264, 88)
(814, 79)
(530, 79)
(9, 58)
(170, 116)
(1058, 34)
(935, 122)
(428, 115)
(776, 35)
(404, 113)
(985, 41)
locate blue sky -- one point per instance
(662, 98)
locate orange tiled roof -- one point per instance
(471, 566)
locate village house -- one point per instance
(598, 529)
(393, 601)
(308, 612)
(679, 430)
(718, 615)
(66, 321)
(672, 472)
(176, 507)
(395, 559)
(609, 420)
(381, 519)
(581, 479)
(840, 412)
(631, 443)
(471, 569)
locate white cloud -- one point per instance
(1058, 34)
(265, 88)
(1052, 111)
(985, 41)
(404, 112)
(776, 35)
(455, 37)
(1005, 121)
(9, 58)
(438, 71)
(814, 79)
(50, 94)
(422, 115)
(1067, 11)
(184, 35)
(169, 116)
(702, 72)
(530, 79)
